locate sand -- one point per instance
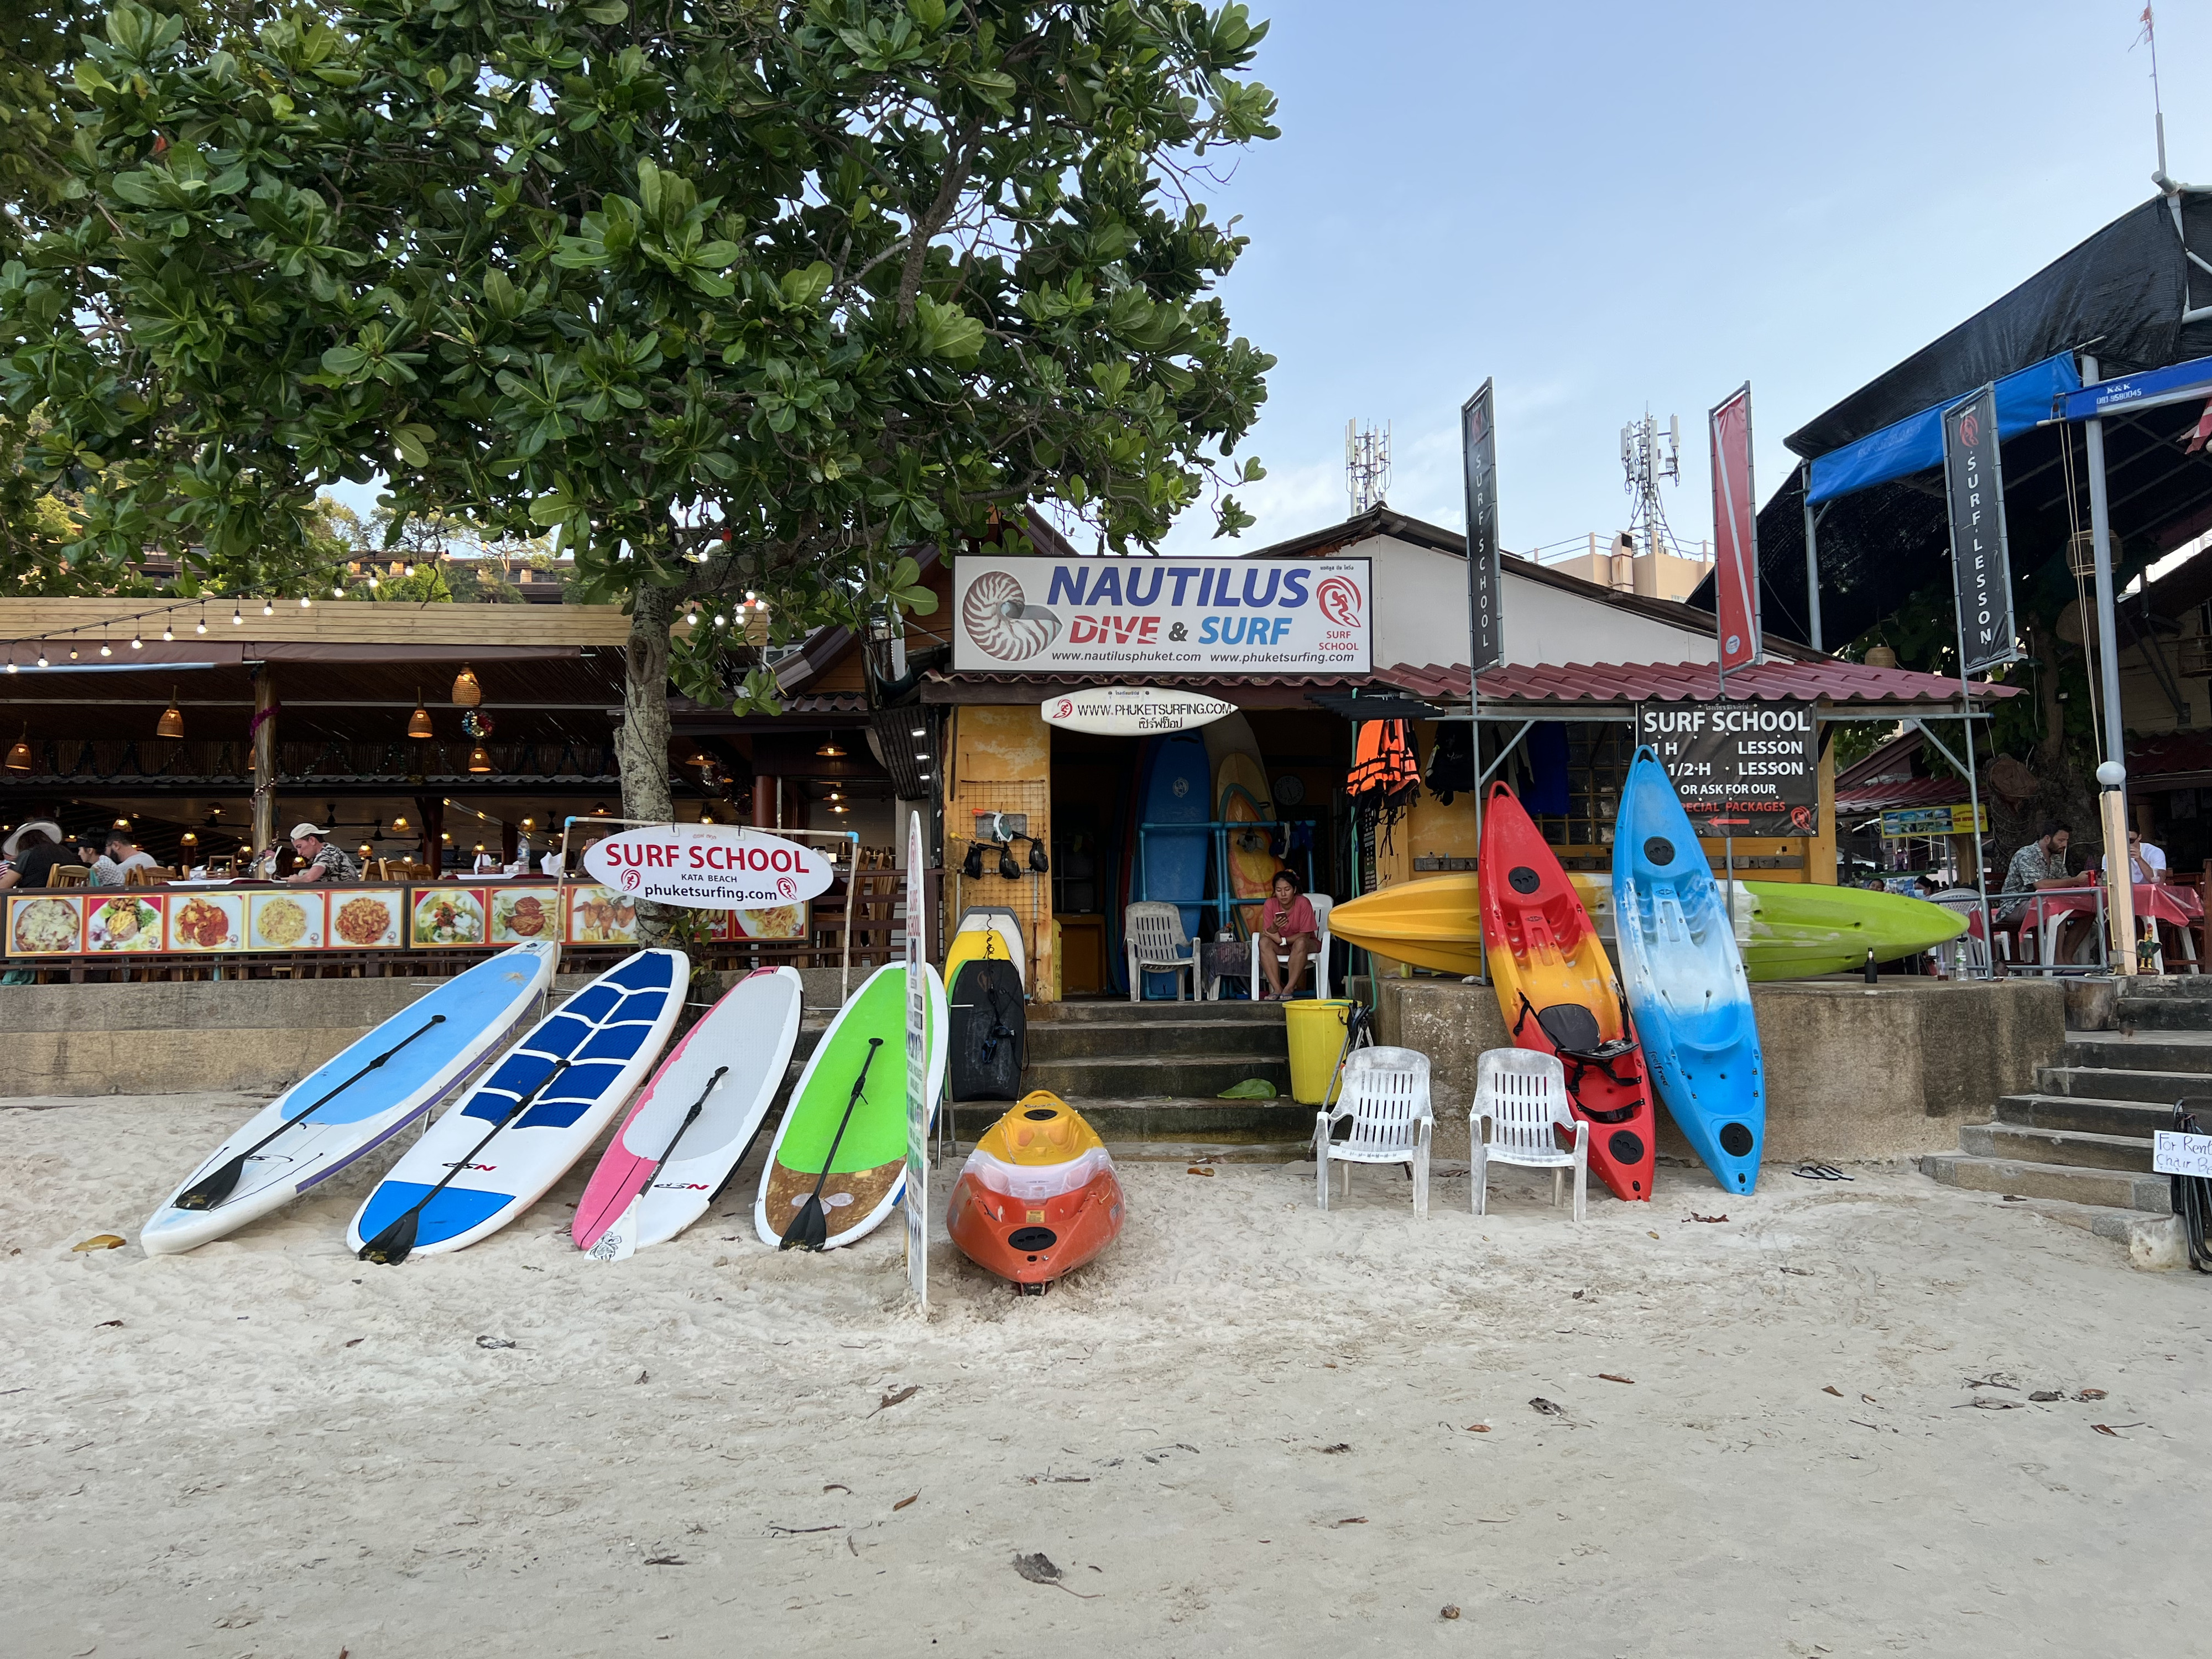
(1252, 1427)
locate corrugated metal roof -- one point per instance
(1637, 682)
(1884, 794)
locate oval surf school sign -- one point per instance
(708, 866)
(1134, 711)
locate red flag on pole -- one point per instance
(1735, 534)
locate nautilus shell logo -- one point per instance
(1338, 599)
(1000, 623)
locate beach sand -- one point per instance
(1251, 1427)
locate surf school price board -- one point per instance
(246, 920)
(1748, 767)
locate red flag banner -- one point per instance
(1735, 534)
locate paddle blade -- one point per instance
(393, 1246)
(619, 1242)
(211, 1190)
(809, 1229)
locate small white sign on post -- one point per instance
(1134, 711)
(916, 1202)
(708, 866)
(2175, 1153)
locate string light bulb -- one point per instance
(237, 617)
(136, 644)
(167, 633)
(104, 650)
(268, 607)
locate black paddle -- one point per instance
(810, 1228)
(391, 1246)
(211, 1190)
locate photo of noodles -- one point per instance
(365, 923)
(777, 921)
(46, 927)
(282, 923)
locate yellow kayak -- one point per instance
(1797, 930)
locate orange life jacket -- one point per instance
(1383, 763)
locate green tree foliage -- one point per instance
(735, 297)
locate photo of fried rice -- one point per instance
(281, 922)
(454, 917)
(364, 921)
(129, 923)
(47, 926)
(204, 923)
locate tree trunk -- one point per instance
(641, 746)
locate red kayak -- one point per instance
(1038, 1197)
(1559, 995)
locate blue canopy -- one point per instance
(1915, 443)
(2154, 388)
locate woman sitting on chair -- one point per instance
(1285, 928)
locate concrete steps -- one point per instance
(1174, 1128)
(2081, 1140)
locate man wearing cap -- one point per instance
(320, 859)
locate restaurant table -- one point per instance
(2047, 911)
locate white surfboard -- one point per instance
(694, 1120)
(357, 1101)
(987, 930)
(573, 1070)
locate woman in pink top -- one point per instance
(1286, 926)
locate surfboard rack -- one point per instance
(1223, 902)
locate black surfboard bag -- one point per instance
(990, 1032)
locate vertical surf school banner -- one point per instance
(1735, 534)
(1477, 433)
(1114, 616)
(916, 1202)
(1973, 480)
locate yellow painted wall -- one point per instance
(1002, 762)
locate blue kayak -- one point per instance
(1684, 977)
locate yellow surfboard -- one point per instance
(1239, 795)
(988, 934)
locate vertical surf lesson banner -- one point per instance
(1735, 534)
(1981, 566)
(1479, 439)
(916, 1203)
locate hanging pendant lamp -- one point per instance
(479, 759)
(19, 757)
(172, 723)
(418, 723)
(467, 694)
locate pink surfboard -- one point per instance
(693, 1120)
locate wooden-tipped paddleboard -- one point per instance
(867, 1176)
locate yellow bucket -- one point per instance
(1316, 1034)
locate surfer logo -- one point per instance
(630, 879)
(1338, 599)
(1801, 817)
(1067, 708)
(785, 887)
(1182, 787)
(1001, 624)
(1970, 428)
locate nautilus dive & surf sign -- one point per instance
(1134, 711)
(708, 866)
(1162, 615)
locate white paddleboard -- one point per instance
(658, 1176)
(610, 1033)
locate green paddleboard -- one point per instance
(868, 1172)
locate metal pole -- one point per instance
(1474, 742)
(1812, 560)
(2108, 664)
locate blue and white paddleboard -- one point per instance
(1684, 977)
(610, 1033)
(429, 1049)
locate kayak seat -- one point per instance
(1571, 1026)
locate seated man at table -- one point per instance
(2041, 866)
(121, 856)
(2146, 863)
(320, 859)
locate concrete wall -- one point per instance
(260, 1035)
(1853, 1071)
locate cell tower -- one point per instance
(1648, 455)
(1366, 464)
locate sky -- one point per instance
(1609, 207)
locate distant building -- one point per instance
(1651, 575)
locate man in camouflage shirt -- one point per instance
(320, 859)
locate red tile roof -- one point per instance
(1637, 682)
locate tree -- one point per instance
(744, 299)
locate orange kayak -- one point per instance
(1038, 1197)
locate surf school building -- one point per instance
(1309, 640)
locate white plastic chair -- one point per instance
(1155, 938)
(1318, 963)
(1523, 1094)
(1386, 1095)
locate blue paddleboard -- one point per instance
(1684, 977)
(1178, 789)
(608, 1034)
